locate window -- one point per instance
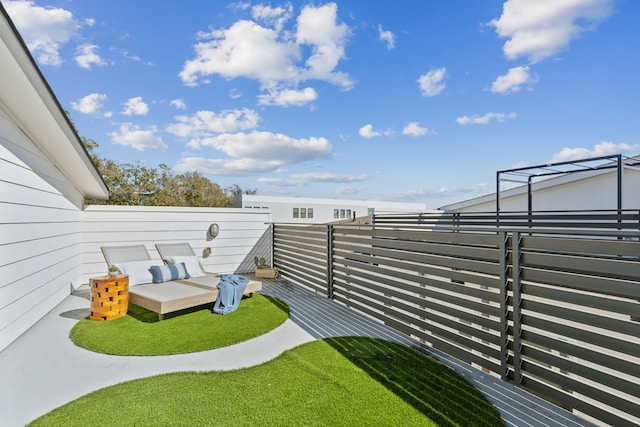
(348, 213)
(336, 213)
(295, 212)
(342, 213)
(310, 213)
(303, 212)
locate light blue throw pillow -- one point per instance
(165, 273)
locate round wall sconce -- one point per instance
(214, 230)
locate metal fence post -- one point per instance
(330, 261)
(504, 309)
(517, 312)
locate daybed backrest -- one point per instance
(169, 252)
(174, 249)
(119, 254)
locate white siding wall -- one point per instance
(40, 233)
(241, 231)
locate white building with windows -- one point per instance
(308, 210)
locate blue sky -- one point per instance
(416, 101)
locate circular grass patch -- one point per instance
(352, 381)
(139, 333)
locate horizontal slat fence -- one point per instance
(588, 220)
(558, 315)
(302, 252)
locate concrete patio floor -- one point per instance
(43, 369)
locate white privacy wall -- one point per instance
(242, 234)
(40, 233)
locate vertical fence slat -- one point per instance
(330, 282)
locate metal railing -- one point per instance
(555, 312)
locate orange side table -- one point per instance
(109, 297)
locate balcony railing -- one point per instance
(554, 310)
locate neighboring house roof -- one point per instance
(604, 167)
(28, 98)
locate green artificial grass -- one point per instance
(139, 333)
(352, 381)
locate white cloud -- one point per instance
(297, 180)
(275, 147)
(276, 57)
(414, 129)
(280, 182)
(511, 82)
(204, 124)
(135, 106)
(388, 37)
(348, 189)
(90, 104)
(367, 131)
(244, 50)
(317, 28)
(178, 103)
(273, 16)
(225, 167)
(328, 177)
(44, 30)
(444, 192)
(604, 148)
(239, 5)
(483, 120)
(125, 53)
(431, 83)
(288, 97)
(133, 136)
(539, 29)
(256, 153)
(86, 56)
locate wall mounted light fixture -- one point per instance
(214, 230)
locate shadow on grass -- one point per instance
(147, 316)
(438, 392)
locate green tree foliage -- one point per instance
(235, 190)
(134, 184)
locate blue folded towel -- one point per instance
(230, 291)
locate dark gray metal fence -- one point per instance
(557, 313)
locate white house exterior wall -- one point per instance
(577, 192)
(40, 233)
(281, 208)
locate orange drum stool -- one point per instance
(109, 297)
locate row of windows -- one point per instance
(308, 213)
(303, 212)
(341, 213)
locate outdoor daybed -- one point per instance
(170, 295)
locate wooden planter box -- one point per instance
(267, 273)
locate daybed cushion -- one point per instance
(138, 271)
(165, 273)
(191, 263)
(210, 281)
